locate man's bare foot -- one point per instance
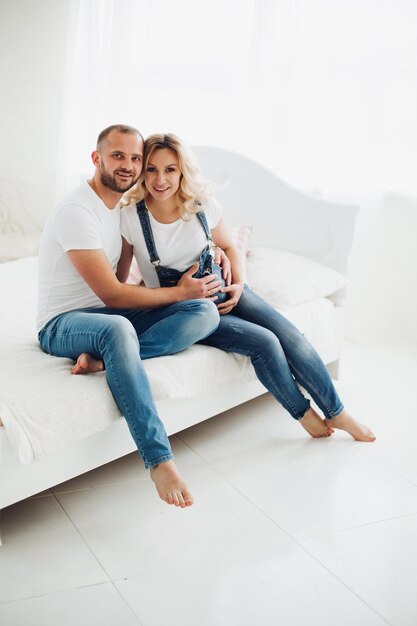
(86, 364)
(170, 486)
(359, 431)
(315, 425)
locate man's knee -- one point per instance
(202, 319)
(119, 330)
(209, 314)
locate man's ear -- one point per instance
(95, 157)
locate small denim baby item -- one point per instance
(168, 276)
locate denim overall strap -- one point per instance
(145, 223)
(203, 220)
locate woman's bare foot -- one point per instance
(315, 425)
(170, 486)
(86, 364)
(359, 431)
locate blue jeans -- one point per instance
(121, 338)
(280, 355)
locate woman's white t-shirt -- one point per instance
(178, 244)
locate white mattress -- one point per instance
(44, 408)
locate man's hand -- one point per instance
(220, 258)
(94, 267)
(194, 288)
(235, 291)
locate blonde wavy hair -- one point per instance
(193, 190)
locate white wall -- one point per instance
(32, 55)
(382, 298)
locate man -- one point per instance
(84, 310)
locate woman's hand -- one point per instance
(235, 291)
(220, 258)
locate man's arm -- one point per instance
(125, 261)
(95, 269)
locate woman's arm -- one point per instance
(222, 238)
(220, 258)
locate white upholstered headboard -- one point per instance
(283, 216)
(19, 234)
(14, 218)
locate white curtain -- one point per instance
(323, 92)
(85, 80)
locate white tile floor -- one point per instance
(285, 530)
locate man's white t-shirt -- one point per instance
(178, 244)
(80, 222)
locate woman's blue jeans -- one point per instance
(280, 354)
(121, 338)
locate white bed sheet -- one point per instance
(44, 408)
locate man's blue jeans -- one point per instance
(280, 354)
(121, 338)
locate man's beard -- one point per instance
(109, 180)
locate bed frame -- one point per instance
(283, 217)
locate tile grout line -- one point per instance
(110, 580)
(347, 528)
(365, 525)
(344, 584)
(296, 541)
(51, 593)
(300, 545)
(391, 469)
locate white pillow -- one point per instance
(285, 279)
(240, 236)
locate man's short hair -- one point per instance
(120, 128)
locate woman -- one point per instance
(164, 228)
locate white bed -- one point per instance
(57, 426)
